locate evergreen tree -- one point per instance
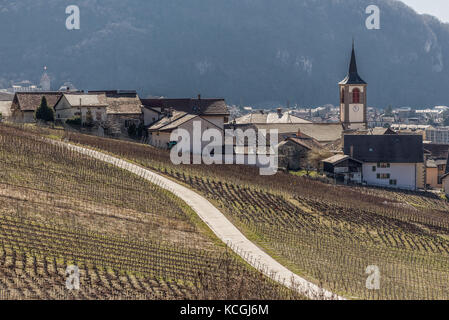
(44, 112)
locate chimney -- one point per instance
(298, 134)
(199, 96)
(279, 110)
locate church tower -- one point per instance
(45, 81)
(353, 110)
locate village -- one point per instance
(353, 144)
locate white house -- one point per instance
(212, 110)
(72, 105)
(159, 134)
(395, 161)
(151, 115)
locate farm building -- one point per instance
(72, 105)
(293, 152)
(435, 164)
(212, 110)
(343, 168)
(159, 133)
(25, 104)
(5, 104)
(395, 161)
(124, 108)
(151, 115)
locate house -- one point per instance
(293, 152)
(71, 105)
(5, 104)
(151, 115)
(343, 168)
(436, 156)
(25, 104)
(395, 161)
(212, 110)
(324, 133)
(159, 134)
(124, 108)
(437, 134)
(445, 179)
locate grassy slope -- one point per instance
(330, 234)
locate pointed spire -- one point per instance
(353, 75)
(353, 64)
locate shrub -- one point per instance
(76, 121)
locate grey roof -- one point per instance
(193, 106)
(431, 164)
(437, 151)
(336, 159)
(164, 121)
(6, 96)
(385, 148)
(353, 76)
(86, 100)
(121, 101)
(270, 117)
(322, 132)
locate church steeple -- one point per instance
(353, 75)
(353, 107)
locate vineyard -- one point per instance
(328, 234)
(128, 238)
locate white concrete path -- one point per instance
(220, 225)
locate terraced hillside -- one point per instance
(329, 234)
(128, 238)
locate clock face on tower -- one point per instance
(356, 108)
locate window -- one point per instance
(383, 176)
(356, 95)
(128, 123)
(342, 98)
(393, 182)
(383, 165)
(374, 168)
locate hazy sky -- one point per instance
(438, 8)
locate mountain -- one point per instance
(249, 51)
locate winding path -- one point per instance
(220, 225)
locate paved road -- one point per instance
(220, 225)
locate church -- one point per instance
(353, 107)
